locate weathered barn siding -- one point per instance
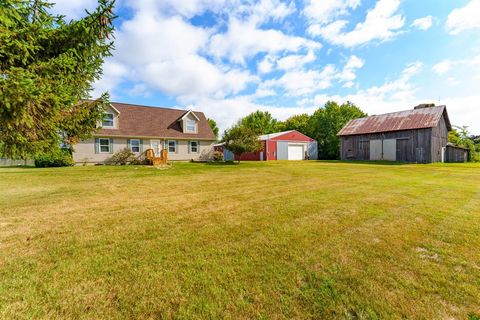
(419, 135)
(412, 145)
(456, 154)
(439, 140)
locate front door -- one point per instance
(156, 146)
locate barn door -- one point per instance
(375, 150)
(403, 150)
(390, 149)
(383, 149)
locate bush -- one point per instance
(123, 157)
(58, 158)
(217, 156)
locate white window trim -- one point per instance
(194, 125)
(190, 147)
(168, 146)
(131, 146)
(113, 120)
(100, 145)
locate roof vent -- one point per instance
(424, 105)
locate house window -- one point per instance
(135, 145)
(191, 125)
(104, 145)
(107, 120)
(194, 146)
(172, 146)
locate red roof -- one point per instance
(142, 121)
(421, 117)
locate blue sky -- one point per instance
(229, 58)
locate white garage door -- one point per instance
(295, 152)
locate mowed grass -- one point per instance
(257, 240)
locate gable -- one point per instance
(291, 135)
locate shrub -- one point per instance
(217, 156)
(123, 157)
(57, 158)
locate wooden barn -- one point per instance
(419, 136)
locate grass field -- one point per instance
(256, 240)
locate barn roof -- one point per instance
(423, 116)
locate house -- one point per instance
(419, 135)
(286, 145)
(185, 134)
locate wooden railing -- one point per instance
(153, 160)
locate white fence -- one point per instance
(4, 162)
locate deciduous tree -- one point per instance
(240, 140)
(261, 122)
(326, 122)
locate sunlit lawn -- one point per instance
(255, 240)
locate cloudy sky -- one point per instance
(229, 58)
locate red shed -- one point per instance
(286, 145)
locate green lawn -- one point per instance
(256, 240)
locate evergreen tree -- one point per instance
(47, 68)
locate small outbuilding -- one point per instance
(419, 136)
(286, 145)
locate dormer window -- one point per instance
(107, 121)
(191, 125)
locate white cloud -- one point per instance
(264, 10)
(301, 82)
(73, 9)
(266, 65)
(172, 62)
(190, 77)
(446, 65)
(348, 74)
(185, 8)
(381, 23)
(424, 23)
(113, 74)
(325, 11)
(228, 111)
(295, 61)
(390, 96)
(244, 40)
(464, 18)
(297, 81)
(451, 81)
(442, 67)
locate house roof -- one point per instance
(143, 121)
(423, 116)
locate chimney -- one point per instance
(424, 105)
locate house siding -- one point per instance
(84, 151)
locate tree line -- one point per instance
(323, 126)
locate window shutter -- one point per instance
(111, 145)
(97, 145)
